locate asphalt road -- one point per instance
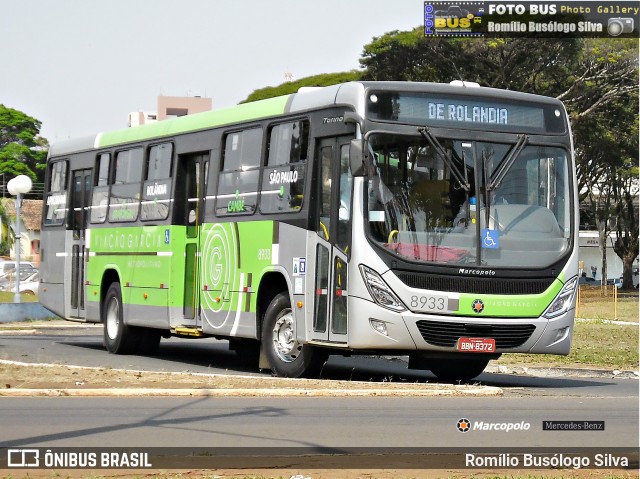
(311, 422)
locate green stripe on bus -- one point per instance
(156, 264)
(509, 306)
(199, 121)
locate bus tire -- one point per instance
(458, 369)
(118, 337)
(285, 355)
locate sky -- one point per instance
(81, 66)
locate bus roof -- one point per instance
(351, 94)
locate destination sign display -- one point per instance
(462, 112)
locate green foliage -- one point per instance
(22, 151)
(510, 63)
(6, 238)
(325, 79)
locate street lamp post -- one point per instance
(17, 187)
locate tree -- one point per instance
(626, 213)
(22, 150)
(286, 88)
(6, 238)
(603, 102)
(606, 142)
(509, 63)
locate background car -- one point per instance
(8, 265)
(27, 275)
(30, 285)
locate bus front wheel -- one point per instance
(286, 356)
(118, 337)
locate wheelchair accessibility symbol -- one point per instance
(490, 239)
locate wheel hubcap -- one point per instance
(285, 344)
(113, 318)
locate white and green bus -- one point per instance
(389, 218)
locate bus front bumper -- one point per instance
(375, 328)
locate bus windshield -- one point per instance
(458, 202)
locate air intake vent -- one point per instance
(475, 285)
(446, 334)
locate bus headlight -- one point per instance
(380, 291)
(564, 300)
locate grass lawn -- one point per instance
(596, 303)
(595, 344)
(6, 297)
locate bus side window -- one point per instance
(156, 191)
(100, 197)
(344, 212)
(238, 180)
(124, 201)
(56, 200)
(282, 187)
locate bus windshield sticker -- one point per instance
(490, 239)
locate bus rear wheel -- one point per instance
(118, 337)
(287, 357)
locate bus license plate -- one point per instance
(477, 345)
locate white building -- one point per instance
(171, 107)
(590, 257)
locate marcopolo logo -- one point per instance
(465, 425)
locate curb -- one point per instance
(428, 390)
(457, 391)
(563, 372)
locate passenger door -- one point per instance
(80, 200)
(330, 318)
(189, 211)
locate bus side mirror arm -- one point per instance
(356, 149)
(356, 157)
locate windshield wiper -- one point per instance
(435, 144)
(504, 167)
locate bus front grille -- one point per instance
(445, 334)
(475, 285)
